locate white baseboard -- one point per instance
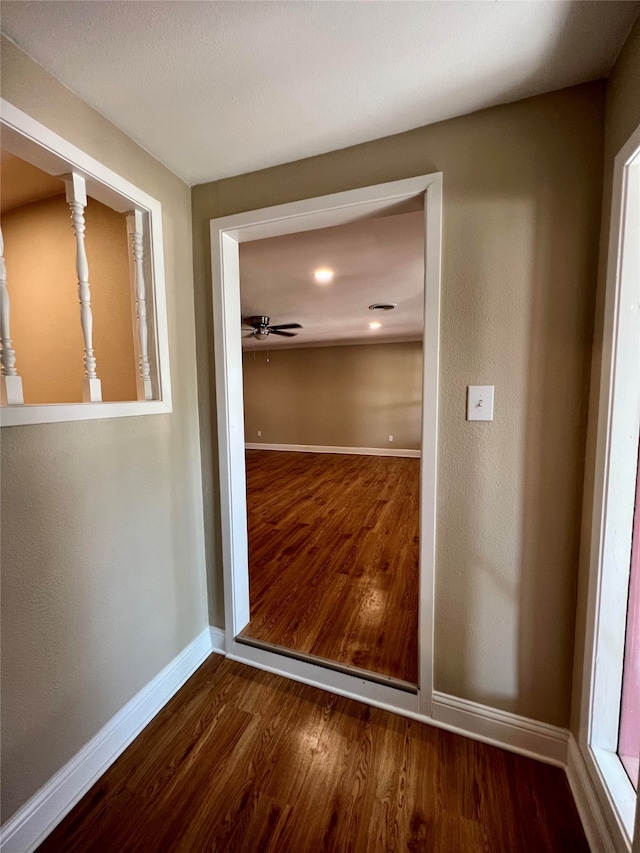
(509, 731)
(218, 643)
(587, 801)
(25, 830)
(31, 824)
(321, 448)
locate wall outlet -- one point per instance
(390, 438)
(259, 433)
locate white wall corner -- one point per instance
(218, 644)
(31, 824)
(501, 728)
(586, 799)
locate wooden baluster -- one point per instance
(77, 200)
(10, 382)
(135, 227)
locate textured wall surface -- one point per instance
(522, 194)
(622, 118)
(349, 396)
(40, 251)
(103, 577)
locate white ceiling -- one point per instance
(215, 89)
(374, 260)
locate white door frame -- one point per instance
(307, 215)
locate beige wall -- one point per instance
(349, 396)
(103, 578)
(522, 189)
(40, 251)
(622, 118)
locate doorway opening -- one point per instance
(343, 209)
(332, 405)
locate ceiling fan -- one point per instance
(261, 328)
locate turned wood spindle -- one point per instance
(10, 383)
(77, 200)
(135, 223)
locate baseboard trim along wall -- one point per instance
(587, 801)
(321, 448)
(218, 644)
(31, 824)
(510, 731)
(470, 719)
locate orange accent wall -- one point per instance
(40, 252)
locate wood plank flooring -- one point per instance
(333, 557)
(243, 761)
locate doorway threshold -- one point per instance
(346, 669)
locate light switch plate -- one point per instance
(480, 402)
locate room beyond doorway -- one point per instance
(333, 557)
(332, 365)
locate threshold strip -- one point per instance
(346, 669)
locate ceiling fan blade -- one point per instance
(284, 334)
(250, 335)
(285, 326)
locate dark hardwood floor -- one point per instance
(243, 761)
(333, 557)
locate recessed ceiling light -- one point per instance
(375, 325)
(383, 306)
(323, 276)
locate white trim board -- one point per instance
(510, 731)
(63, 412)
(613, 498)
(587, 801)
(322, 448)
(385, 696)
(39, 816)
(217, 640)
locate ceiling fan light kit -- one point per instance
(260, 324)
(261, 327)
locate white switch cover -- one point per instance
(480, 402)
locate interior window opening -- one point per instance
(40, 251)
(83, 318)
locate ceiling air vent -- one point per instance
(383, 306)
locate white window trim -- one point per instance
(39, 145)
(612, 518)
